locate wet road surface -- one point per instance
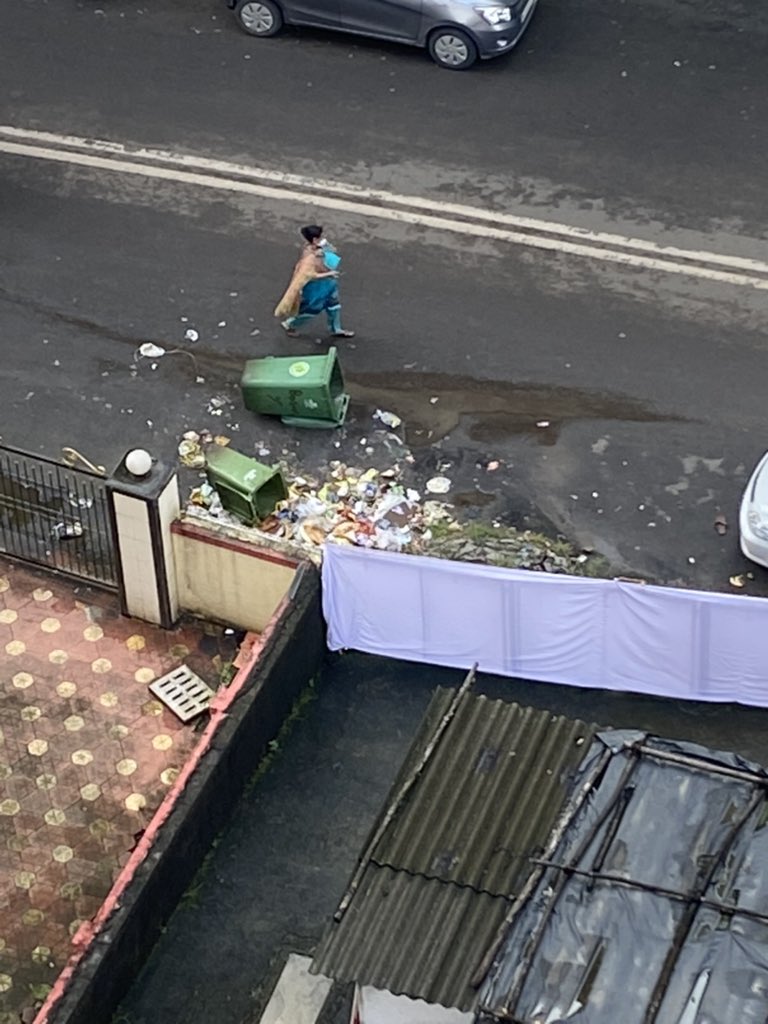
(649, 111)
(621, 404)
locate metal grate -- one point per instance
(183, 692)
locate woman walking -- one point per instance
(313, 288)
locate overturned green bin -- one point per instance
(246, 487)
(304, 391)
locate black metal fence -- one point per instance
(56, 516)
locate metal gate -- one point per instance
(56, 516)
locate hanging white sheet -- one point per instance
(560, 629)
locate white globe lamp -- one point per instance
(138, 462)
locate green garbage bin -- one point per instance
(246, 487)
(304, 391)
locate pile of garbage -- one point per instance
(375, 509)
(368, 508)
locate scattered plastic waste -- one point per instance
(67, 531)
(79, 502)
(191, 334)
(389, 419)
(439, 485)
(216, 404)
(190, 450)
(191, 455)
(150, 351)
(737, 581)
(542, 423)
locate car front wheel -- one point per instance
(259, 17)
(452, 48)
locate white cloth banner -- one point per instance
(557, 629)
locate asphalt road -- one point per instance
(640, 119)
(652, 110)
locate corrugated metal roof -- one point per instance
(409, 935)
(452, 846)
(488, 795)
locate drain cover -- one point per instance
(183, 692)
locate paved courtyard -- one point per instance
(86, 757)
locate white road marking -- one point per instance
(298, 996)
(266, 183)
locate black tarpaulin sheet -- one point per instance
(648, 906)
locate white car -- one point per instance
(753, 515)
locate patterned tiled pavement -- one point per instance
(86, 757)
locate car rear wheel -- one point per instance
(452, 48)
(259, 17)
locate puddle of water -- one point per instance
(496, 409)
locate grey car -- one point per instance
(455, 32)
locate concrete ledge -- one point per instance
(224, 577)
(110, 950)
